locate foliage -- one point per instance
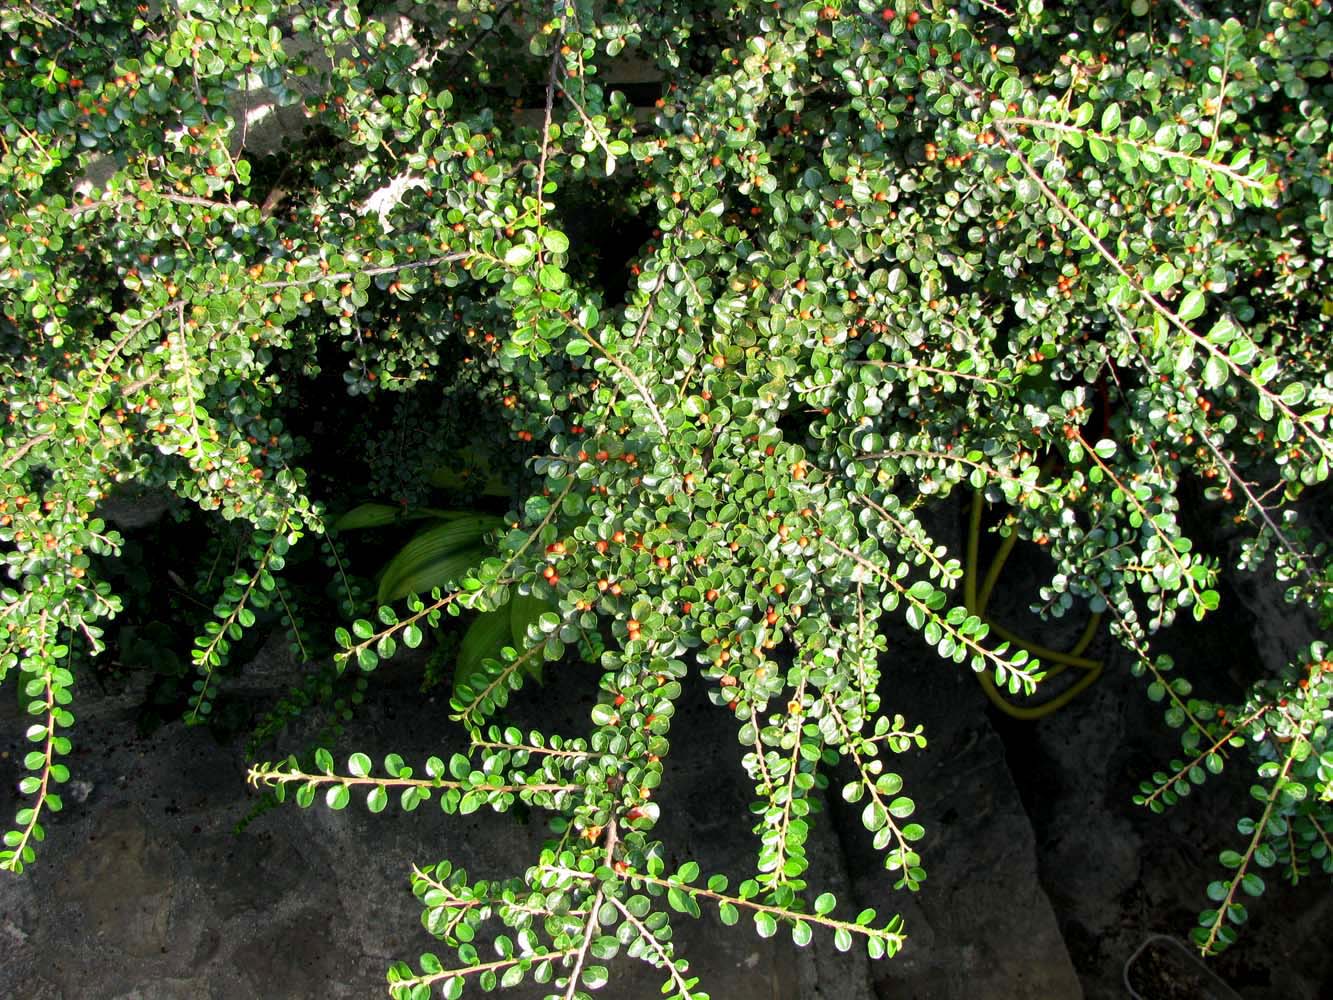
(1284, 723)
(434, 558)
(1070, 255)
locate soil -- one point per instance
(1162, 970)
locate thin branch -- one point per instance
(783, 913)
(681, 985)
(498, 681)
(27, 446)
(451, 258)
(1182, 772)
(546, 145)
(777, 876)
(15, 861)
(1259, 830)
(204, 656)
(258, 775)
(625, 370)
(1165, 152)
(944, 456)
(906, 535)
(1027, 675)
(930, 369)
(536, 751)
(582, 951)
(472, 970)
(1167, 543)
(1274, 399)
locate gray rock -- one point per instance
(130, 509)
(144, 891)
(981, 926)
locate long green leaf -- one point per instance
(436, 557)
(378, 515)
(482, 641)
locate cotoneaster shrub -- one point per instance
(1070, 255)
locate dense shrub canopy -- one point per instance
(1069, 256)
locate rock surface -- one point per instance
(145, 892)
(981, 927)
(1115, 873)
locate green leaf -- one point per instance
(437, 557)
(902, 807)
(378, 515)
(1192, 305)
(377, 799)
(595, 976)
(483, 640)
(459, 766)
(1293, 394)
(518, 255)
(640, 906)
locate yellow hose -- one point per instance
(976, 604)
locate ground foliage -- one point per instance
(1071, 255)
